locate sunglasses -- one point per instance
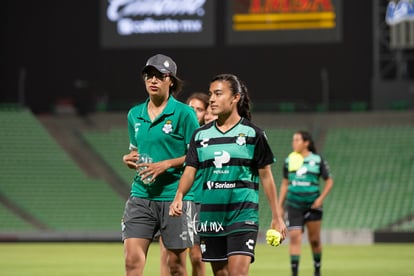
(158, 75)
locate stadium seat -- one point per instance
(373, 176)
(39, 177)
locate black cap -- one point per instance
(162, 63)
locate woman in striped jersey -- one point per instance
(232, 154)
(300, 192)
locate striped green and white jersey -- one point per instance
(303, 187)
(229, 164)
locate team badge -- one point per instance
(203, 247)
(241, 140)
(167, 128)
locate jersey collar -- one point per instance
(168, 110)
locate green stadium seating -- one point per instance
(374, 176)
(40, 178)
(110, 145)
(11, 223)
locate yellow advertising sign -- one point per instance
(265, 15)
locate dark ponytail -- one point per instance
(177, 86)
(306, 136)
(237, 86)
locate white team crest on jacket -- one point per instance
(167, 128)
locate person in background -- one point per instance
(233, 155)
(209, 116)
(300, 192)
(199, 102)
(162, 128)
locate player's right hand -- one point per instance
(130, 159)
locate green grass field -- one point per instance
(107, 259)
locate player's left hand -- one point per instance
(317, 203)
(176, 208)
(153, 169)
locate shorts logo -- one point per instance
(183, 235)
(221, 157)
(250, 244)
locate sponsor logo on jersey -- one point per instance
(206, 226)
(210, 184)
(204, 142)
(220, 158)
(220, 185)
(301, 171)
(300, 183)
(210, 226)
